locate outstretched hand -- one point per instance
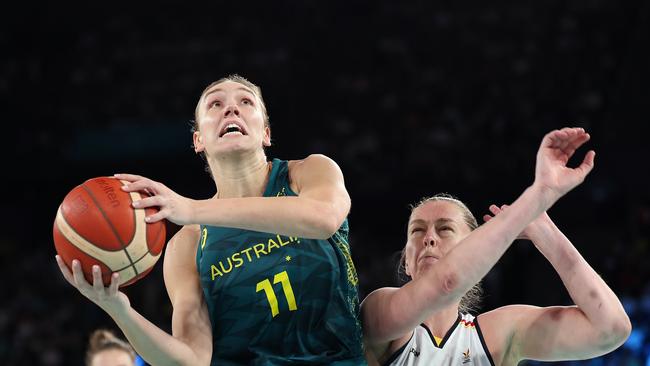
(172, 206)
(551, 171)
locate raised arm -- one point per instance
(317, 212)
(191, 343)
(390, 313)
(597, 324)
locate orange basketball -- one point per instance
(96, 224)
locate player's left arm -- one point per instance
(596, 325)
(317, 212)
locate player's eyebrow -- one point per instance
(220, 90)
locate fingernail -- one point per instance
(147, 219)
(136, 204)
(95, 268)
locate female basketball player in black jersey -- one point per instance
(259, 274)
(420, 323)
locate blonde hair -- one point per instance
(470, 302)
(102, 340)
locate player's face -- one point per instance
(434, 229)
(112, 357)
(230, 120)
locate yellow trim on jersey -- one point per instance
(438, 340)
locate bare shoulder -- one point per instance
(378, 295)
(312, 159)
(498, 327)
(375, 314)
(314, 167)
(373, 311)
(507, 317)
(313, 162)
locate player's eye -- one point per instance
(247, 101)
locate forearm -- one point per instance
(154, 345)
(475, 255)
(290, 216)
(587, 289)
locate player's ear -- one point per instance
(198, 142)
(267, 136)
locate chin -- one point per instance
(425, 266)
(233, 148)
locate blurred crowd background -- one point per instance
(410, 98)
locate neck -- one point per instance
(440, 322)
(244, 175)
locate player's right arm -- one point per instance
(392, 313)
(191, 342)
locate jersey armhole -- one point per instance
(480, 336)
(397, 353)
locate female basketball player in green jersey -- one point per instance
(446, 254)
(259, 274)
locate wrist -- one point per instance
(194, 207)
(545, 195)
(541, 228)
(116, 309)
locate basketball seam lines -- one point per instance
(110, 224)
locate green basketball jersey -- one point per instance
(280, 300)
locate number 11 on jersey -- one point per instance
(265, 285)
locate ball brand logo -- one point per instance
(109, 191)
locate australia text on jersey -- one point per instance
(249, 254)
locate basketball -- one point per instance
(96, 224)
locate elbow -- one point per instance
(616, 333)
(325, 228)
(622, 329)
(444, 287)
(448, 287)
(450, 282)
(326, 222)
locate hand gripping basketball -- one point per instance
(171, 205)
(97, 226)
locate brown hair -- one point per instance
(104, 339)
(470, 302)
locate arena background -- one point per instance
(410, 99)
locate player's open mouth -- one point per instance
(232, 129)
